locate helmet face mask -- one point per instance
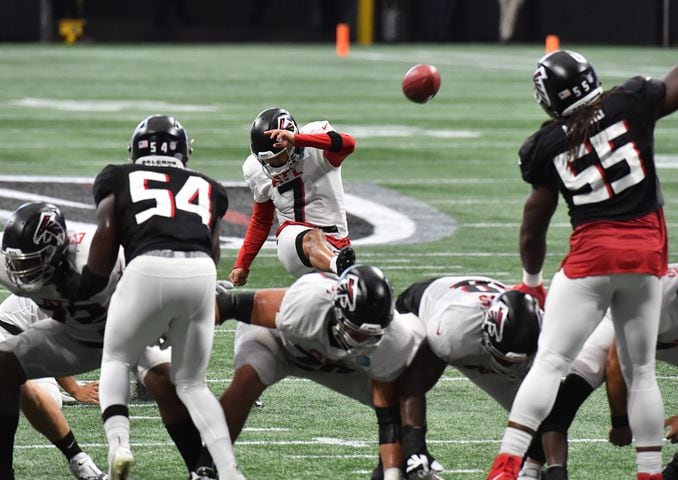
(261, 145)
(352, 339)
(510, 330)
(160, 135)
(363, 309)
(564, 82)
(33, 244)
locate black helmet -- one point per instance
(510, 331)
(162, 136)
(33, 244)
(363, 308)
(564, 82)
(262, 145)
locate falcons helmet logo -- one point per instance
(347, 292)
(49, 230)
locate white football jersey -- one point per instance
(311, 192)
(453, 308)
(85, 320)
(304, 327)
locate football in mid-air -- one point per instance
(421, 83)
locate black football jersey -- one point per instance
(162, 207)
(612, 176)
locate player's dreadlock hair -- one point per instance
(581, 124)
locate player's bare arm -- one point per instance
(385, 399)
(417, 379)
(671, 99)
(105, 245)
(216, 244)
(539, 208)
(257, 308)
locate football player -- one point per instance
(667, 351)
(41, 399)
(167, 218)
(341, 333)
(39, 255)
(296, 174)
(487, 332)
(597, 150)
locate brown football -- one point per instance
(421, 83)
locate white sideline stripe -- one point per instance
(446, 471)
(109, 105)
(668, 378)
(19, 195)
(316, 441)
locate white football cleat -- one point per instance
(529, 472)
(120, 461)
(83, 468)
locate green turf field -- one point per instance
(70, 111)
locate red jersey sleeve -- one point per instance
(337, 146)
(257, 233)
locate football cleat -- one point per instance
(556, 473)
(120, 462)
(505, 467)
(671, 470)
(530, 472)
(83, 468)
(345, 259)
(203, 473)
(649, 476)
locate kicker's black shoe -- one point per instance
(345, 259)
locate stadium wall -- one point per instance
(630, 22)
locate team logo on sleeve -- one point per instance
(49, 230)
(347, 292)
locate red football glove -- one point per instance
(538, 292)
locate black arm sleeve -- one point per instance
(236, 306)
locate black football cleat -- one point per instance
(345, 259)
(204, 473)
(556, 473)
(671, 470)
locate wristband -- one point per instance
(532, 279)
(619, 421)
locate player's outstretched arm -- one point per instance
(671, 99)
(257, 233)
(539, 208)
(258, 307)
